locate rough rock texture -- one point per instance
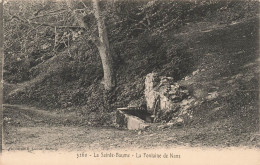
(167, 100)
(151, 81)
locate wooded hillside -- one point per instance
(53, 63)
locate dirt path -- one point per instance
(31, 129)
(27, 128)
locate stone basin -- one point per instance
(133, 118)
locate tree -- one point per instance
(104, 50)
(101, 42)
(1, 62)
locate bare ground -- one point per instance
(30, 129)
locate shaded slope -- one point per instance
(225, 55)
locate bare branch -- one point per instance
(55, 37)
(82, 24)
(49, 13)
(54, 25)
(40, 10)
(79, 19)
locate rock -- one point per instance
(170, 124)
(200, 93)
(151, 81)
(170, 139)
(216, 102)
(196, 103)
(163, 95)
(187, 78)
(212, 95)
(179, 122)
(187, 101)
(166, 99)
(144, 126)
(195, 72)
(162, 126)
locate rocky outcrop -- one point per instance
(151, 81)
(167, 100)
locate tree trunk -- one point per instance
(1, 65)
(104, 50)
(101, 43)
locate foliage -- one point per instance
(44, 44)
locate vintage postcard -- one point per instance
(129, 82)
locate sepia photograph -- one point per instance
(130, 82)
